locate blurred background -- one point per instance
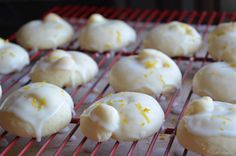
(14, 13)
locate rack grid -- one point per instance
(141, 20)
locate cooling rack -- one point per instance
(71, 141)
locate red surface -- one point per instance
(134, 16)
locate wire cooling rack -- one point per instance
(71, 141)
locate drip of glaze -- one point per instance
(34, 116)
(38, 126)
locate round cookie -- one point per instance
(36, 110)
(64, 68)
(125, 116)
(101, 34)
(51, 32)
(150, 72)
(217, 81)
(209, 128)
(174, 39)
(12, 57)
(221, 42)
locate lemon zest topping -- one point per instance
(107, 46)
(118, 38)
(143, 54)
(34, 102)
(57, 50)
(8, 52)
(54, 58)
(143, 111)
(224, 122)
(150, 64)
(97, 103)
(189, 31)
(233, 65)
(142, 124)
(150, 72)
(26, 88)
(12, 54)
(186, 29)
(146, 110)
(38, 103)
(161, 79)
(3, 55)
(221, 117)
(108, 95)
(145, 75)
(121, 102)
(125, 121)
(219, 32)
(110, 102)
(166, 65)
(122, 105)
(222, 129)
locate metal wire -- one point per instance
(140, 20)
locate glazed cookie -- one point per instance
(36, 110)
(101, 34)
(222, 44)
(217, 81)
(209, 128)
(48, 33)
(150, 72)
(12, 57)
(174, 39)
(125, 116)
(64, 68)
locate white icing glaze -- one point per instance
(174, 39)
(12, 57)
(36, 103)
(50, 32)
(80, 66)
(217, 81)
(101, 34)
(111, 116)
(135, 116)
(220, 120)
(151, 72)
